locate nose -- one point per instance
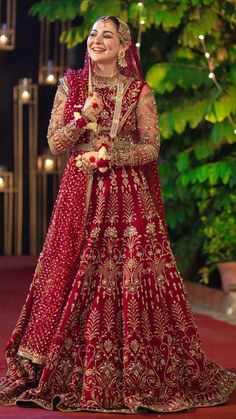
(98, 39)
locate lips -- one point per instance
(98, 49)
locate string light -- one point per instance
(141, 23)
(212, 76)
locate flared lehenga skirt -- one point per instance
(106, 325)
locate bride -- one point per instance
(106, 325)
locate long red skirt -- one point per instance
(106, 325)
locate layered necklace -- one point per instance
(114, 79)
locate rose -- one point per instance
(92, 160)
(82, 123)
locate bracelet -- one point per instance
(103, 162)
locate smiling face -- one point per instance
(103, 42)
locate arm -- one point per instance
(61, 137)
(147, 149)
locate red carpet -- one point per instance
(219, 340)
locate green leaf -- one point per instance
(182, 161)
(166, 77)
(203, 149)
(168, 18)
(221, 108)
(203, 24)
(223, 132)
(177, 118)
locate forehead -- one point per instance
(104, 25)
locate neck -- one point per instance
(106, 69)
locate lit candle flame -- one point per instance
(51, 78)
(48, 164)
(3, 39)
(2, 182)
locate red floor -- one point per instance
(219, 340)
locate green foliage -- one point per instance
(165, 77)
(219, 231)
(198, 154)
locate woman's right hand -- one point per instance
(93, 107)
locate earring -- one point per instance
(121, 60)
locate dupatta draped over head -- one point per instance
(106, 325)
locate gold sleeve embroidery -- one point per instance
(147, 149)
(61, 137)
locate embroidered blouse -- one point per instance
(138, 139)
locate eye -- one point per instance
(107, 36)
(92, 34)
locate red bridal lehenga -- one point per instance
(106, 325)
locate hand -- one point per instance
(93, 107)
(89, 160)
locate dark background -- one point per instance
(16, 64)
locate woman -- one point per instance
(106, 325)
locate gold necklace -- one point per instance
(118, 100)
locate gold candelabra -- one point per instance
(53, 56)
(7, 190)
(7, 24)
(25, 96)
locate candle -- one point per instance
(49, 164)
(2, 182)
(3, 36)
(25, 90)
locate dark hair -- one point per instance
(112, 18)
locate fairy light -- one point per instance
(212, 76)
(141, 23)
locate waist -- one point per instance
(120, 143)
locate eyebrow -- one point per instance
(95, 30)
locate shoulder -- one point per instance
(73, 77)
(140, 86)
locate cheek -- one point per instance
(112, 46)
(89, 43)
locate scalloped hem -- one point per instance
(139, 407)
